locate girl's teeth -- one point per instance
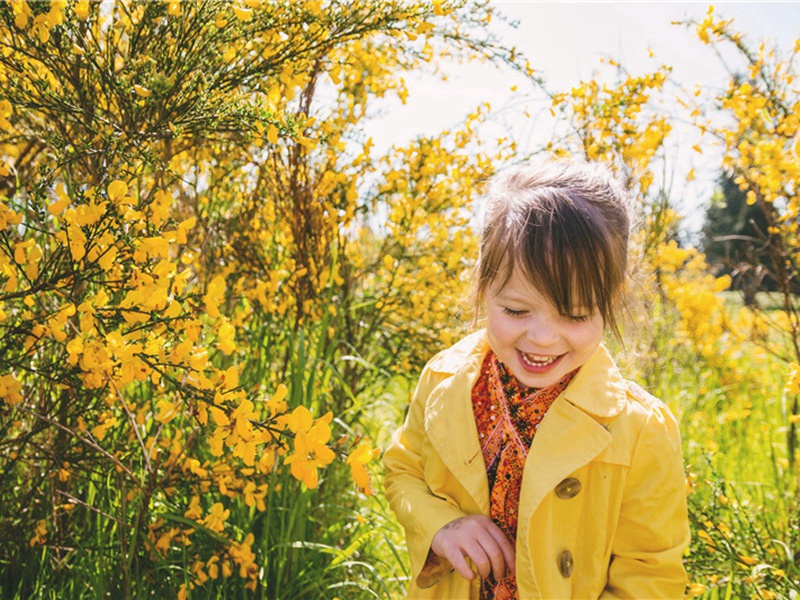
(535, 360)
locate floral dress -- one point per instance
(507, 418)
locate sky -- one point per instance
(564, 43)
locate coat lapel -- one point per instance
(450, 423)
(573, 432)
(567, 439)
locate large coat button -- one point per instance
(568, 488)
(565, 563)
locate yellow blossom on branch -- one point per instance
(358, 459)
(215, 294)
(310, 451)
(167, 411)
(217, 515)
(10, 389)
(793, 382)
(5, 112)
(40, 534)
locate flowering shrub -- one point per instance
(183, 231)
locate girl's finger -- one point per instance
(480, 557)
(506, 548)
(460, 565)
(495, 554)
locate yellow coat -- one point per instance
(618, 532)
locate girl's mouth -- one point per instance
(536, 363)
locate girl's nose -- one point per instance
(543, 331)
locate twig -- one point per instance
(92, 508)
(87, 441)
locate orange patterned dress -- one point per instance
(507, 418)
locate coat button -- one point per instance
(565, 563)
(568, 488)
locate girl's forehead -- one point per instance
(516, 286)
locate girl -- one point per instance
(527, 466)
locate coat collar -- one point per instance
(461, 355)
(596, 394)
(598, 388)
(449, 420)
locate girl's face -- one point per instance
(537, 344)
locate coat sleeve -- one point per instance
(653, 527)
(418, 509)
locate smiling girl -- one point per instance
(527, 466)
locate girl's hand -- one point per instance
(478, 538)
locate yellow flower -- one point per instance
(276, 404)
(117, 190)
(74, 349)
(39, 534)
(10, 390)
(5, 112)
(183, 228)
(165, 540)
(272, 134)
(142, 91)
(167, 411)
(243, 14)
(300, 419)
(357, 460)
(244, 557)
(82, 9)
(216, 518)
(310, 451)
(215, 294)
(216, 441)
(9, 217)
(793, 383)
(99, 431)
(22, 12)
(41, 27)
(254, 496)
(63, 201)
(225, 337)
(194, 511)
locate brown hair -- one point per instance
(565, 225)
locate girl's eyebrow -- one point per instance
(507, 293)
(516, 296)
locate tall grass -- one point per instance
(742, 495)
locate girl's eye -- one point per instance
(578, 318)
(515, 313)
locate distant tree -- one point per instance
(735, 237)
